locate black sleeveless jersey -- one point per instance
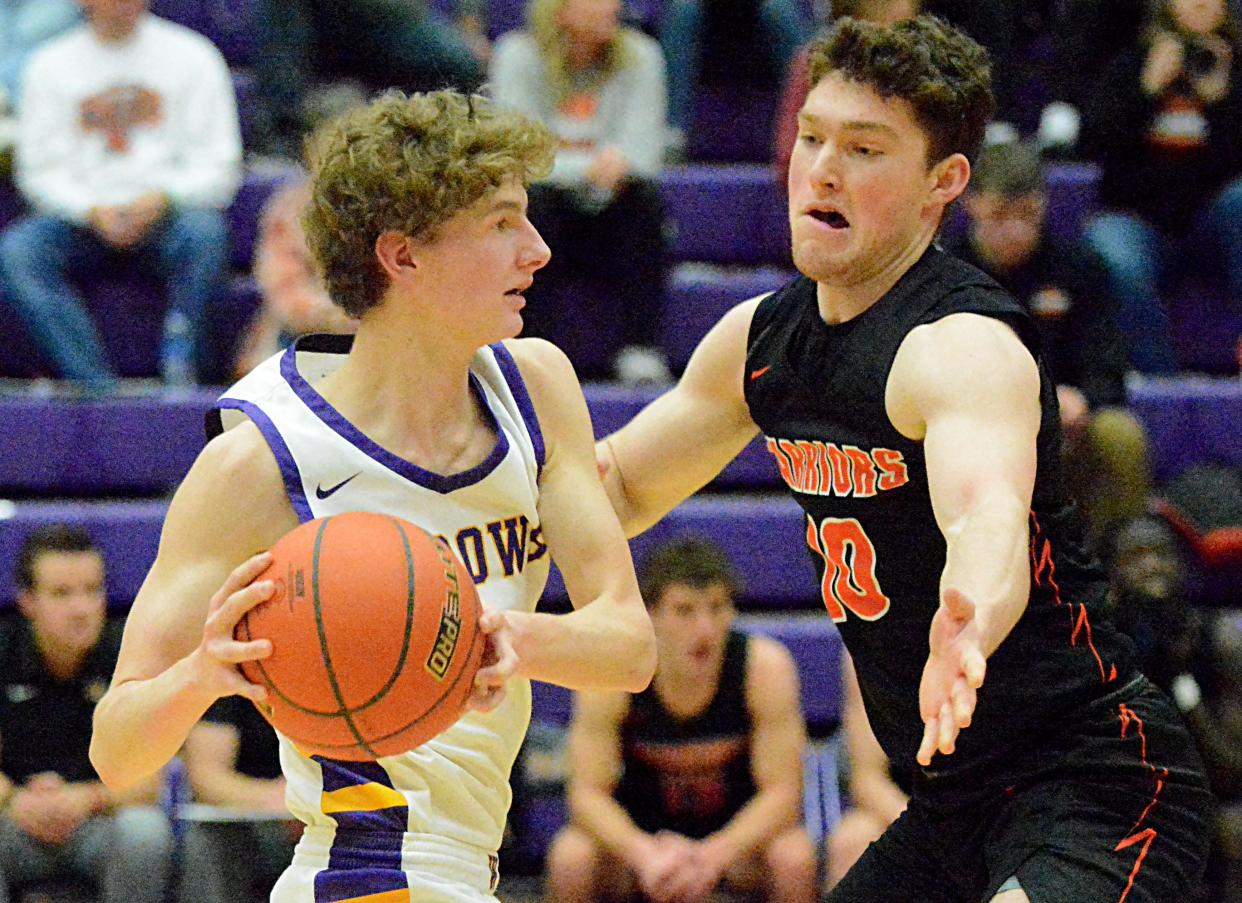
(689, 775)
(817, 393)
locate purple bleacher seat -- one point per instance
(1190, 421)
(261, 181)
(812, 639)
(733, 123)
(727, 214)
(1206, 327)
(229, 24)
(700, 295)
(764, 537)
(505, 15)
(100, 447)
(126, 532)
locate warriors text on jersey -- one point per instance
(817, 391)
(454, 788)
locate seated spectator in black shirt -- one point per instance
(57, 821)
(238, 851)
(692, 786)
(1067, 293)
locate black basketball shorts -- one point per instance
(1113, 808)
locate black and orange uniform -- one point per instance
(689, 775)
(1072, 756)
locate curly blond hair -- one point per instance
(409, 164)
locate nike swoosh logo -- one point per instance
(755, 374)
(321, 493)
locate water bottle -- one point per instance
(177, 357)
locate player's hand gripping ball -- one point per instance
(375, 636)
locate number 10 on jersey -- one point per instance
(849, 568)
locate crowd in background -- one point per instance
(125, 141)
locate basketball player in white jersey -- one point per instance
(432, 412)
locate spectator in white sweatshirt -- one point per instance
(128, 144)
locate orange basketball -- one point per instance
(375, 636)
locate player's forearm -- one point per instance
(988, 560)
(602, 817)
(770, 811)
(140, 725)
(604, 645)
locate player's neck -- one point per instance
(404, 388)
(842, 301)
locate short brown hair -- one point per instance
(48, 540)
(690, 561)
(941, 72)
(407, 164)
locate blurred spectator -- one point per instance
(600, 88)
(232, 761)
(726, 42)
(380, 43)
(294, 300)
(1067, 293)
(24, 26)
(697, 781)
(1089, 35)
(1196, 656)
(128, 145)
(1163, 124)
(1019, 37)
(798, 77)
(876, 799)
(57, 821)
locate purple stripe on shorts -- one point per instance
(350, 884)
(276, 442)
(338, 774)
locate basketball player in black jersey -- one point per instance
(902, 398)
(695, 782)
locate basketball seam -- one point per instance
(323, 643)
(439, 703)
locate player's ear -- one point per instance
(949, 179)
(394, 251)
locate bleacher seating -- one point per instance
(730, 241)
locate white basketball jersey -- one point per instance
(455, 786)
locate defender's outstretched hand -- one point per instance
(954, 671)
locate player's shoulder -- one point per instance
(545, 369)
(241, 459)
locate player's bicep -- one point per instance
(230, 506)
(779, 730)
(683, 439)
(974, 388)
(577, 519)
